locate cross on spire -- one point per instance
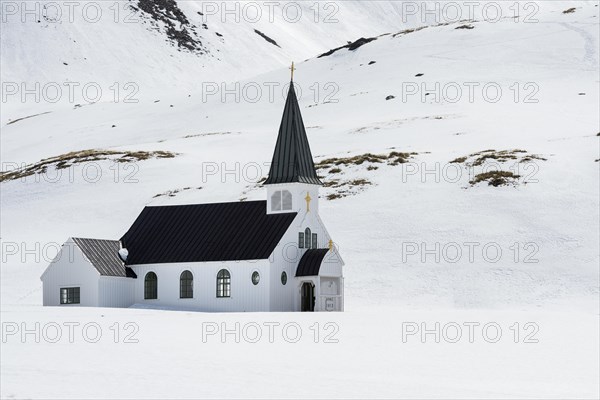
(292, 68)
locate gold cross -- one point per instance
(308, 199)
(293, 69)
(330, 244)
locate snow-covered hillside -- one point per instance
(131, 50)
(422, 239)
(116, 43)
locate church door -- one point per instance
(308, 297)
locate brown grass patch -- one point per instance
(371, 161)
(495, 178)
(458, 160)
(77, 157)
(173, 193)
(392, 158)
(481, 157)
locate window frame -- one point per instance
(315, 241)
(287, 203)
(307, 238)
(282, 200)
(186, 285)
(150, 293)
(257, 274)
(72, 295)
(223, 284)
(276, 200)
(300, 240)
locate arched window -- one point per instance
(150, 286)
(186, 285)
(286, 200)
(307, 238)
(276, 201)
(283, 278)
(281, 201)
(223, 283)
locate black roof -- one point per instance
(104, 256)
(292, 159)
(310, 263)
(205, 232)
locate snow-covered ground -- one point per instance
(421, 244)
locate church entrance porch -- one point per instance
(320, 281)
(307, 297)
(330, 294)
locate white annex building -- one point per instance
(273, 255)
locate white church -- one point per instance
(254, 256)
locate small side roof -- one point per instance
(310, 263)
(104, 256)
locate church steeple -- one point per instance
(292, 161)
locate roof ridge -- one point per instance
(104, 240)
(205, 204)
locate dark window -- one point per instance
(69, 295)
(150, 286)
(186, 285)
(307, 238)
(314, 241)
(223, 283)
(255, 278)
(283, 278)
(301, 240)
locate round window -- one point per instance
(255, 278)
(283, 278)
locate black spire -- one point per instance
(292, 160)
